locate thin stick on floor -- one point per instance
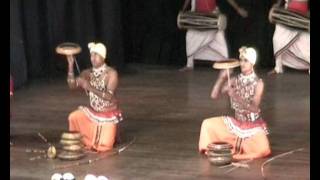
(91, 161)
(275, 157)
(237, 165)
(240, 163)
(42, 137)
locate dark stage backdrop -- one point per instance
(38, 26)
(135, 31)
(152, 35)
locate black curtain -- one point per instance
(18, 64)
(134, 31)
(38, 26)
(255, 30)
(152, 35)
(151, 32)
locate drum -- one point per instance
(289, 19)
(201, 21)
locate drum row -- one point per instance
(216, 20)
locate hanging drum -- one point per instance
(201, 21)
(290, 19)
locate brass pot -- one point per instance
(219, 146)
(219, 153)
(219, 159)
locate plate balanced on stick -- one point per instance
(70, 49)
(232, 63)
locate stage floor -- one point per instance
(163, 111)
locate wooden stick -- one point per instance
(275, 157)
(78, 69)
(229, 85)
(228, 78)
(86, 161)
(42, 137)
(35, 151)
(236, 163)
(37, 157)
(242, 164)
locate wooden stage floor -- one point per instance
(163, 111)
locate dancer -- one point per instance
(246, 131)
(97, 122)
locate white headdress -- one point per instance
(98, 48)
(249, 54)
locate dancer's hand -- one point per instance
(70, 59)
(231, 92)
(83, 83)
(277, 4)
(242, 12)
(215, 93)
(272, 72)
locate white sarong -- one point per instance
(208, 45)
(291, 48)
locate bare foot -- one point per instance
(184, 69)
(272, 72)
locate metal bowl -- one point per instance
(218, 154)
(220, 158)
(64, 155)
(220, 151)
(220, 161)
(219, 146)
(71, 135)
